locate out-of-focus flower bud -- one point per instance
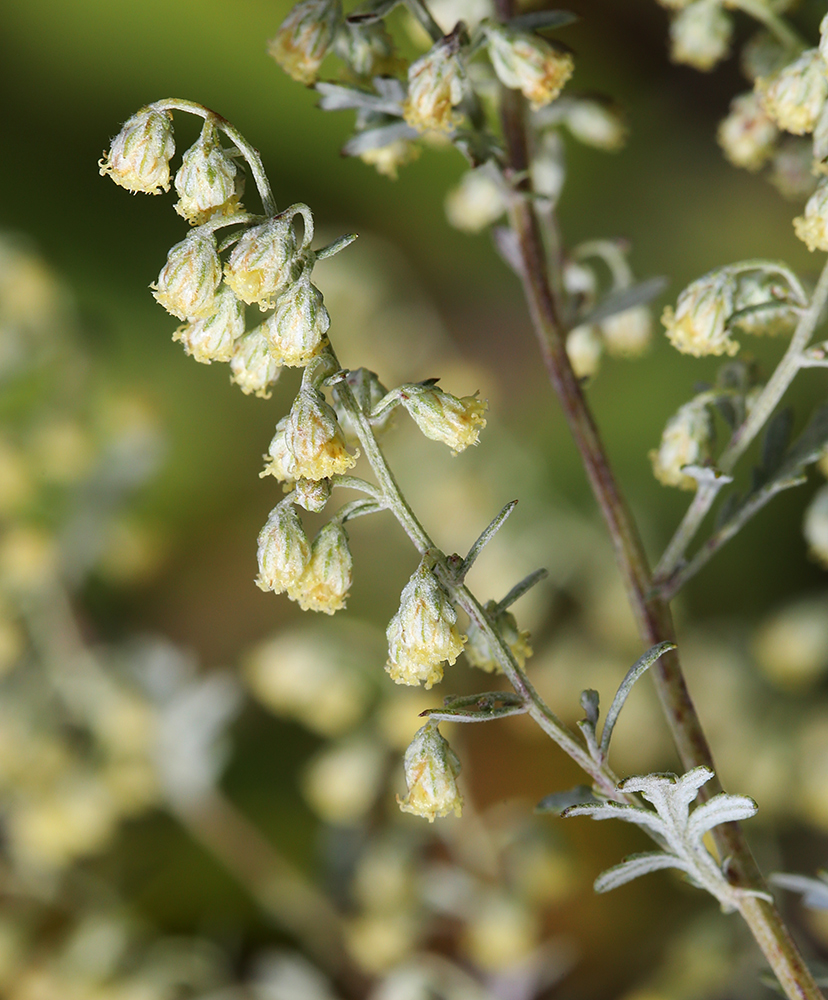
(526, 62)
(139, 159)
(378, 942)
(206, 179)
(12, 643)
(547, 167)
(699, 324)
(770, 310)
(253, 368)
(258, 267)
(296, 331)
(791, 646)
(501, 933)
(284, 551)
(686, 441)
(28, 559)
(214, 337)
(478, 650)
(325, 583)
(422, 634)
(584, 348)
(455, 421)
(597, 123)
(812, 227)
(342, 783)
(188, 282)
(431, 769)
(628, 334)
(794, 97)
(747, 136)
(279, 459)
(304, 37)
(367, 49)
(312, 494)
(815, 527)
(314, 437)
(700, 34)
(790, 169)
(762, 55)
(388, 159)
(435, 86)
(476, 202)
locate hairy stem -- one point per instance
(652, 613)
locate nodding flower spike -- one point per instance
(139, 158)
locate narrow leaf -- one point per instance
(589, 703)
(558, 801)
(508, 246)
(521, 588)
(722, 808)
(634, 866)
(730, 505)
(335, 97)
(777, 439)
(627, 298)
(615, 810)
(474, 715)
(814, 891)
(635, 671)
(486, 536)
(540, 19)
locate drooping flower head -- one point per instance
(435, 87)
(206, 179)
(284, 551)
(139, 158)
(526, 62)
(455, 421)
(431, 770)
(188, 282)
(304, 38)
(325, 583)
(686, 441)
(794, 97)
(699, 324)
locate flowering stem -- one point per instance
(652, 612)
(254, 161)
(742, 438)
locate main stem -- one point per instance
(652, 614)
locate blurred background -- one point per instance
(413, 298)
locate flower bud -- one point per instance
(257, 270)
(790, 169)
(747, 136)
(213, 338)
(700, 34)
(206, 179)
(325, 583)
(388, 159)
(598, 124)
(279, 459)
(815, 527)
(584, 349)
(139, 159)
(812, 227)
(628, 334)
(762, 55)
(771, 312)
(686, 441)
(367, 49)
(794, 97)
(187, 284)
(475, 203)
(547, 167)
(435, 86)
(253, 368)
(526, 62)
(284, 552)
(314, 437)
(312, 494)
(342, 782)
(422, 633)
(296, 331)
(455, 421)
(699, 324)
(304, 37)
(479, 651)
(791, 646)
(431, 769)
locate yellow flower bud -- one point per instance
(325, 583)
(700, 34)
(314, 437)
(597, 123)
(139, 158)
(699, 324)
(812, 227)
(479, 652)
(526, 62)
(455, 421)
(304, 37)
(686, 441)
(423, 632)
(258, 267)
(214, 337)
(476, 202)
(253, 368)
(584, 349)
(388, 159)
(296, 331)
(431, 770)
(343, 781)
(794, 97)
(628, 334)
(206, 179)
(188, 282)
(435, 86)
(284, 552)
(747, 135)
